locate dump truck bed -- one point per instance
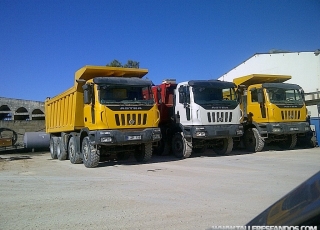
(260, 78)
(89, 72)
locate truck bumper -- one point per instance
(285, 128)
(126, 137)
(213, 131)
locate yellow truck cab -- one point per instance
(109, 111)
(273, 111)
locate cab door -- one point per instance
(183, 108)
(256, 104)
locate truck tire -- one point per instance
(225, 148)
(290, 143)
(61, 152)
(53, 147)
(253, 141)
(90, 154)
(143, 153)
(74, 157)
(181, 148)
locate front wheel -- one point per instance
(143, 153)
(90, 155)
(224, 147)
(253, 141)
(181, 148)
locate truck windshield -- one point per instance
(284, 96)
(129, 95)
(214, 95)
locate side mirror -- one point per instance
(87, 93)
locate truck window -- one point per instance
(210, 95)
(254, 95)
(125, 94)
(229, 94)
(204, 95)
(284, 96)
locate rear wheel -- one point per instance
(225, 146)
(61, 152)
(74, 157)
(253, 141)
(289, 143)
(53, 147)
(143, 153)
(180, 146)
(90, 154)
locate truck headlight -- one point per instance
(306, 128)
(106, 139)
(276, 130)
(156, 136)
(200, 134)
(239, 132)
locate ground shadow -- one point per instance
(15, 158)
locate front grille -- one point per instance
(219, 117)
(290, 114)
(131, 119)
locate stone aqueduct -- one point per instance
(20, 110)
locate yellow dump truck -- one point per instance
(109, 111)
(274, 111)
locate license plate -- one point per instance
(294, 129)
(132, 138)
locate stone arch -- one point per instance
(5, 113)
(21, 114)
(37, 114)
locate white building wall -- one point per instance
(304, 67)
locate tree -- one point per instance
(115, 63)
(132, 64)
(129, 64)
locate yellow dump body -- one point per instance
(260, 78)
(66, 111)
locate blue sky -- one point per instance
(43, 42)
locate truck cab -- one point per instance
(274, 111)
(204, 113)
